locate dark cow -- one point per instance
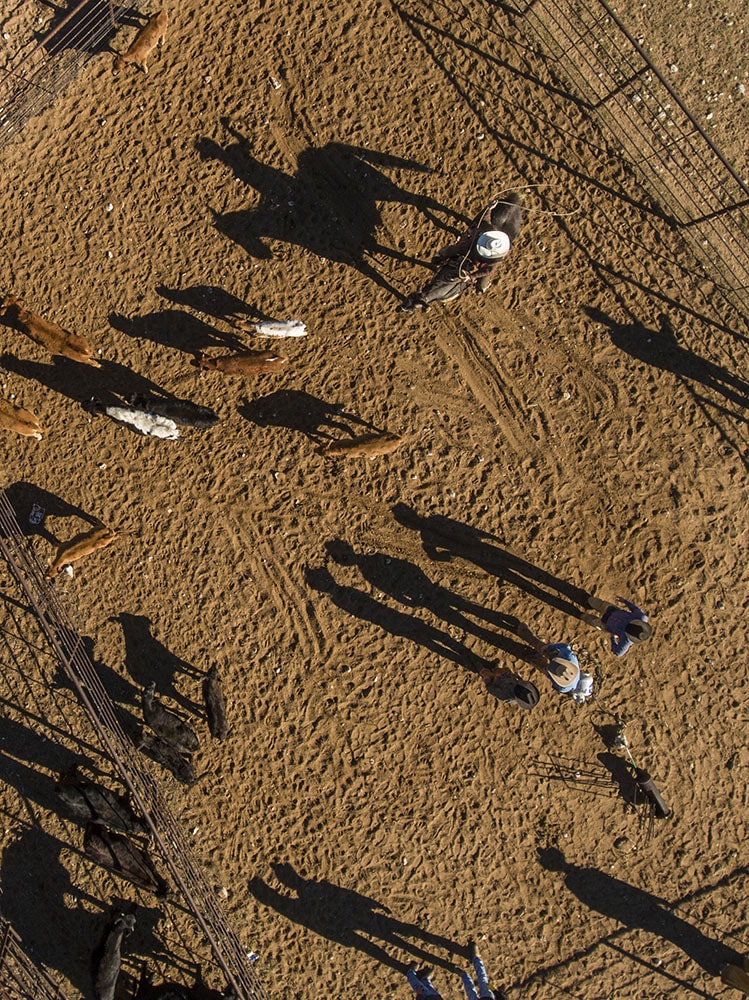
(107, 955)
(94, 803)
(181, 411)
(215, 705)
(166, 724)
(123, 857)
(169, 757)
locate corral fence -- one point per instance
(69, 650)
(35, 79)
(20, 978)
(698, 190)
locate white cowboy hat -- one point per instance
(493, 245)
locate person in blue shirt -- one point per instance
(628, 625)
(561, 665)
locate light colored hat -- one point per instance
(563, 672)
(493, 245)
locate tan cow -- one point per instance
(365, 446)
(46, 333)
(80, 546)
(247, 363)
(14, 418)
(149, 36)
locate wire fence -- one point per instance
(37, 77)
(697, 189)
(20, 979)
(69, 649)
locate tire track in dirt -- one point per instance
(268, 572)
(491, 385)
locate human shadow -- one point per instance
(637, 908)
(443, 538)
(357, 603)
(349, 918)
(329, 206)
(410, 585)
(147, 659)
(300, 411)
(661, 349)
(81, 383)
(177, 329)
(36, 888)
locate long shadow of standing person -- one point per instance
(443, 538)
(411, 586)
(637, 908)
(348, 917)
(330, 206)
(356, 602)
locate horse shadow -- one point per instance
(300, 411)
(329, 206)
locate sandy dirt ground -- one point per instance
(582, 427)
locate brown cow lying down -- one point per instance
(47, 334)
(14, 418)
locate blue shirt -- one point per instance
(562, 650)
(616, 623)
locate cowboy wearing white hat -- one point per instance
(473, 260)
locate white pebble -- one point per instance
(68, 570)
(110, 254)
(741, 88)
(109, 207)
(674, 68)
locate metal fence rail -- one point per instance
(697, 188)
(69, 649)
(20, 979)
(32, 83)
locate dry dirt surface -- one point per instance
(582, 427)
